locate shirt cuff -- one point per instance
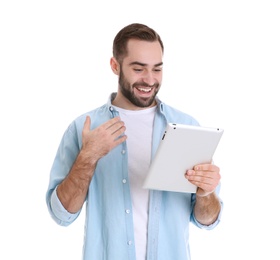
(59, 211)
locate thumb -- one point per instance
(87, 124)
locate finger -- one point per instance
(87, 124)
(205, 184)
(206, 167)
(196, 179)
(120, 140)
(206, 177)
(118, 131)
(116, 128)
(111, 122)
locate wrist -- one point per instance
(204, 194)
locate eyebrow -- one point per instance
(144, 64)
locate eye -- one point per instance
(137, 70)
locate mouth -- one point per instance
(144, 90)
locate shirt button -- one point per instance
(124, 180)
(127, 211)
(111, 108)
(123, 151)
(129, 242)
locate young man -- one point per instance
(104, 156)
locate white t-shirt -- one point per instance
(139, 129)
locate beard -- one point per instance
(127, 91)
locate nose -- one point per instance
(149, 78)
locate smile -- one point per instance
(146, 90)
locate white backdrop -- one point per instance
(221, 65)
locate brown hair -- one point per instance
(133, 31)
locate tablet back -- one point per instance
(181, 148)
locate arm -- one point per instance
(96, 143)
(207, 206)
(207, 209)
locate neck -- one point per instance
(120, 101)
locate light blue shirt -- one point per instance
(109, 217)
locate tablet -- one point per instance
(181, 148)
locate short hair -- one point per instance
(133, 31)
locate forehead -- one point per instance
(144, 52)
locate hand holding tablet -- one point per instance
(181, 148)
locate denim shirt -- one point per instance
(109, 217)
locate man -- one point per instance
(104, 156)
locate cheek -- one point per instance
(132, 78)
(158, 77)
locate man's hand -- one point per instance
(101, 140)
(206, 177)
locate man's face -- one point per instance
(141, 73)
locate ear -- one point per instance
(115, 66)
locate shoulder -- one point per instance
(97, 116)
(174, 115)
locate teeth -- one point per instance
(145, 89)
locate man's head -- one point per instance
(135, 31)
(137, 60)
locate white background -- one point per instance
(221, 65)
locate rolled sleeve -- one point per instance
(61, 215)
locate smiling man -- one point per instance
(140, 74)
(104, 156)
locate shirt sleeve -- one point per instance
(61, 215)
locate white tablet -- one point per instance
(181, 148)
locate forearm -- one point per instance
(73, 189)
(207, 209)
